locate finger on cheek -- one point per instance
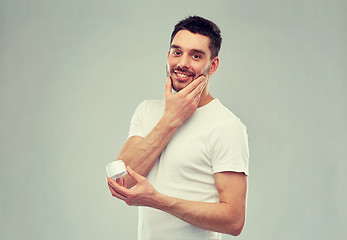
(168, 87)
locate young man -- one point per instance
(187, 156)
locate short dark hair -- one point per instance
(196, 24)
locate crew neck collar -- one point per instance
(208, 105)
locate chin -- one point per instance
(178, 86)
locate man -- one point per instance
(187, 156)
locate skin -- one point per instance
(189, 55)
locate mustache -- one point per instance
(183, 70)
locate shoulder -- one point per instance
(152, 103)
(151, 108)
(223, 116)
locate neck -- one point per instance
(205, 98)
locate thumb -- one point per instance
(137, 177)
(168, 87)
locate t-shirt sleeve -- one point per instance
(229, 148)
(136, 124)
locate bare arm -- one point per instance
(227, 216)
(142, 153)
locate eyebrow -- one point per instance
(192, 50)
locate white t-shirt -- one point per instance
(212, 140)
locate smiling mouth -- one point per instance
(183, 76)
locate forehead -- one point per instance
(188, 41)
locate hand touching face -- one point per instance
(189, 58)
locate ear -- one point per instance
(214, 65)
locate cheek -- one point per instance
(169, 65)
(171, 62)
(200, 70)
(207, 68)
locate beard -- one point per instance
(193, 75)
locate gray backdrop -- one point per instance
(72, 73)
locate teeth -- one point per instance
(182, 75)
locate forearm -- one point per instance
(218, 217)
(142, 154)
(227, 216)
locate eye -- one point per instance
(196, 56)
(175, 52)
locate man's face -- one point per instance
(188, 58)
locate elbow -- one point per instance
(235, 228)
(236, 232)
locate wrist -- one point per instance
(160, 201)
(170, 123)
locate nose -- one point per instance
(183, 62)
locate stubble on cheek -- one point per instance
(169, 71)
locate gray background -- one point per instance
(72, 73)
